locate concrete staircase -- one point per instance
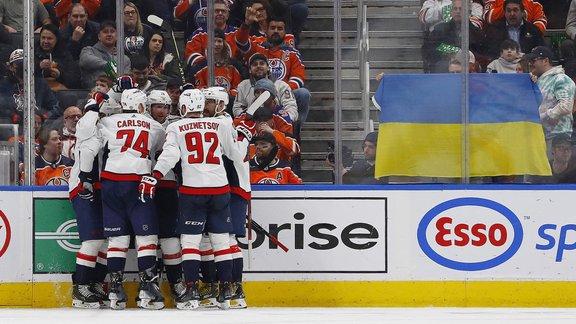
(395, 41)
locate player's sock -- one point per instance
(190, 256)
(172, 256)
(237, 260)
(117, 249)
(146, 246)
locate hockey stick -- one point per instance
(249, 226)
(159, 22)
(257, 103)
(260, 229)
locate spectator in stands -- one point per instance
(71, 116)
(555, 12)
(272, 118)
(6, 47)
(100, 59)
(568, 48)
(434, 12)
(445, 40)
(103, 84)
(562, 163)
(197, 45)
(140, 72)
(12, 92)
(298, 16)
(135, 32)
(162, 64)
(508, 60)
(259, 28)
(226, 75)
(455, 66)
(53, 62)
(362, 171)
(557, 92)
(259, 69)
(193, 13)
(265, 167)
(514, 27)
(11, 15)
(79, 32)
(173, 87)
(532, 11)
(52, 168)
(285, 62)
(65, 12)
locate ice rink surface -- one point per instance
(292, 316)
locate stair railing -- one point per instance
(364, 64)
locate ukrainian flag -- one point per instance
(422, 126)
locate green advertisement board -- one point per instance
(56, 239)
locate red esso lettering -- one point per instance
(477, 234)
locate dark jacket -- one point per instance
(530, 37)
(89, 39)
(11, 107)
(69, 70)
(362, 173)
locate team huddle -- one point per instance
(178, 184)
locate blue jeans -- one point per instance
(303, 102)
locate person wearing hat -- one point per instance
(562, 164)
(265, 167)
(101, 58)
(271, 118)
(362, 171)
(514, 27)
(12, 92)
(259, 69)
(557, 92)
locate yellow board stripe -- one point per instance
(341, 294)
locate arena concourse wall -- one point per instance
(348, 246)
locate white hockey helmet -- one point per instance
(216, 93)
(110, 107)
(158, 97)
(191, 101)
(132, 99)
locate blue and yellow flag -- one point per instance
(422, 132)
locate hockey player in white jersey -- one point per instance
(128, 140)
(84, 190)
(166, 200)
(238, 173)
(199, 143)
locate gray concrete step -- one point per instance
(350, 53)
(380, 23)
(376, 38)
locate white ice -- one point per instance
(292, 316)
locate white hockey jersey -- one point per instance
(199, 143)
(129, 139)
(239, 171)
(86, 149)
(169, 179)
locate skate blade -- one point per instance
(150, 304)
(85, 305)
(104, 304)
(208, 302)
(239, 303)
(191, 304)
(117, 305)
(224, 305)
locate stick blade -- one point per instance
(155, 20)
(258, 103)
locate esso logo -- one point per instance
(5, 233)
(470, 234)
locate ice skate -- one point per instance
(190, 298)
(98, 289)
(238, 299)
(149, 294)
(177, 290)
(224, 295)
(84, 297)
(116, 295)
(209, 294)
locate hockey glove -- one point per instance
(87, 186)
(98, 99)
(147, 187)
(124, 82)
(246, 130)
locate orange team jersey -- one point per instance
(227, 77)
(21, 141)
(277, 172)
(494, 11)
(261, 38)
(53, 174)
(63, 8)
(282, 126)
(197, 45)
(285, 62)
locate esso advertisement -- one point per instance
(470, 234)
(5, 233)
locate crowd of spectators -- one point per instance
(76, 52)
